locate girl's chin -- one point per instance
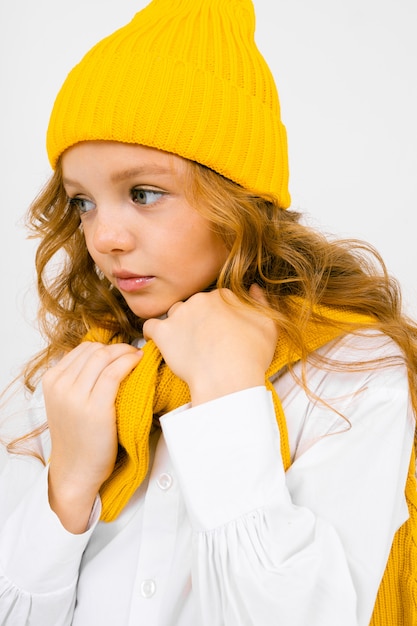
(148, 312)
(147, 307)
(147, 315)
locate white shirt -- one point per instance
(218, 534)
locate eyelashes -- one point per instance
(139, 195)
(144, 196)
(82, 205)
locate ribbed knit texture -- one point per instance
(184, 76)
(396, 603)
(152, 389)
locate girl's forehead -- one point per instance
(122, 158)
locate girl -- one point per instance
(217, 434)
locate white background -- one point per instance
(346, 74)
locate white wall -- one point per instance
(346, 73)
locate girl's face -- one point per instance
(153, 246)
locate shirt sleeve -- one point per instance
(305, 547)
(39, 559)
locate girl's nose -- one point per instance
(111, 234)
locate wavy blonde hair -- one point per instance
(267, 245)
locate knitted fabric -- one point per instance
(152, 389)
(186, 77)
(396, 602)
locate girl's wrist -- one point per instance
(205, 390)
(72, 503)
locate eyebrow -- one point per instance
(139, 171)
(129, 173)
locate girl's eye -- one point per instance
(81, 204)
(145, 196)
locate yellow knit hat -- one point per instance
(184, 76)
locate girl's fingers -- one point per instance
(258, 293)
(105, 388)
(83, 366)
(100, 359)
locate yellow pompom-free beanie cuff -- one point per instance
(186, 77)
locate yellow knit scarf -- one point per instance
(152, 390)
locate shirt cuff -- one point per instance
(227, 456)
(38, 554)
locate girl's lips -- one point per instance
(130, 284)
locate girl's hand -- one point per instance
(216, 344)
(80, 393)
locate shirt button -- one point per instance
(148, 588)
(164, 482)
